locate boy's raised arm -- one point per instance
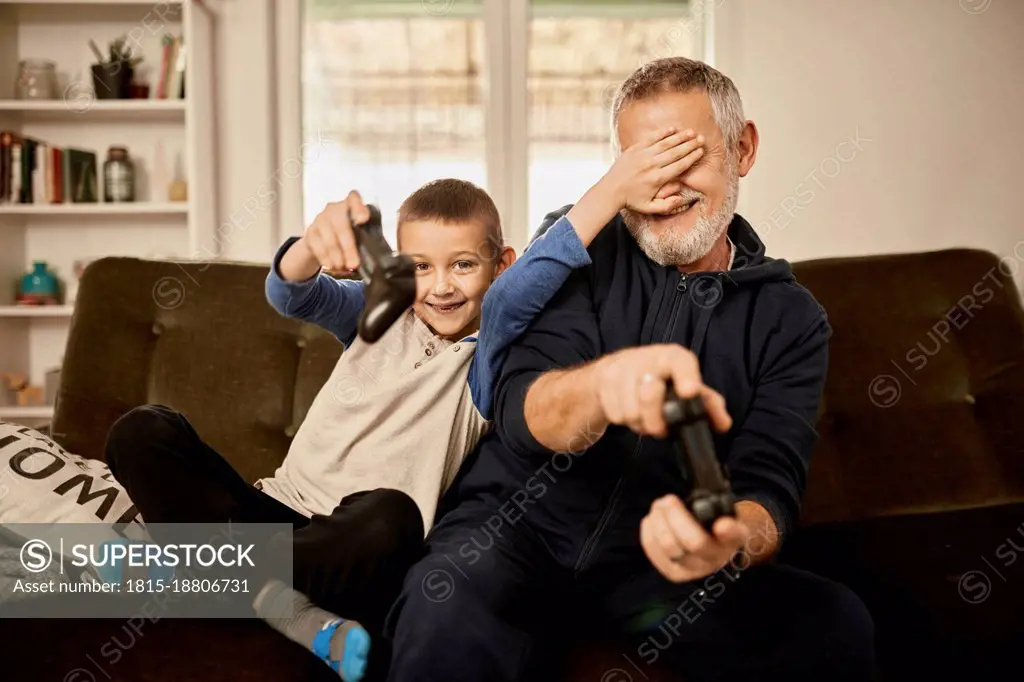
(295, 286)
(320, 299)
(517, 296)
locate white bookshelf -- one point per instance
(164, 138)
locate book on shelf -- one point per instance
(35, 172)
(172, 68)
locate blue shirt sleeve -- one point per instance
(517, 296)
(334, 304)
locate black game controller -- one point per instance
(710, 495)
(390, 279)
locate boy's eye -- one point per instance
(422, 267)
(464, 265)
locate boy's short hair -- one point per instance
(450, 200)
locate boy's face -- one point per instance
(454, 268)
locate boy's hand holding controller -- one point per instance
(637, 180)
(329, 243)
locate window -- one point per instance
(579, 53)
(513, 95)
(396, 92)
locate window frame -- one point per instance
(506, 144)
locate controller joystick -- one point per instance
(710, 495)
(390, 279)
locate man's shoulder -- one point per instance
(780, 303)
(795, 307)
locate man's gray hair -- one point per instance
(679, 74)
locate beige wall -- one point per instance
(246, 129)
(886, 126)
(933, 92)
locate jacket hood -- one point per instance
(750, 263)
(750, 267)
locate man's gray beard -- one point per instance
(677, 248)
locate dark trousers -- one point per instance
(497, 606)
(351, 562)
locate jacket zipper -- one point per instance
(588, 546)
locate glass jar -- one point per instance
(37, 79)
(118, 177)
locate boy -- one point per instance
(389, 429)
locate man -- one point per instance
(570, 520)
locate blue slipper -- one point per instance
(352, 665)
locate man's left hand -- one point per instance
(680, 548)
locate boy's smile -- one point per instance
(445, 308)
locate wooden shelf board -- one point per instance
(96, 209)
(14, 412)
(36, 311)
(82, 107)
(85, 2)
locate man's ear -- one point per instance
(507, 258)
(747, 148)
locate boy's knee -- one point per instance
(381, 527)
(402, 515)
(137, 427)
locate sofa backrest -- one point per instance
(197, 337)
(923, 408)
(924, 403)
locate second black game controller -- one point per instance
(710, 495)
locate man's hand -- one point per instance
(680, 548)
(639, 179)
(630, 385)
(639, 175)
(330, 242)
(626, 388)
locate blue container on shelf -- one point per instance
(39, 287)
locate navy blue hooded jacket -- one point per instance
(762, 342)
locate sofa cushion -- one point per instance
(41, 483)
(925, 391)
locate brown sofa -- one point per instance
(915, 489)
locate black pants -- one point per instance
(351, 562)
(497, 606)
